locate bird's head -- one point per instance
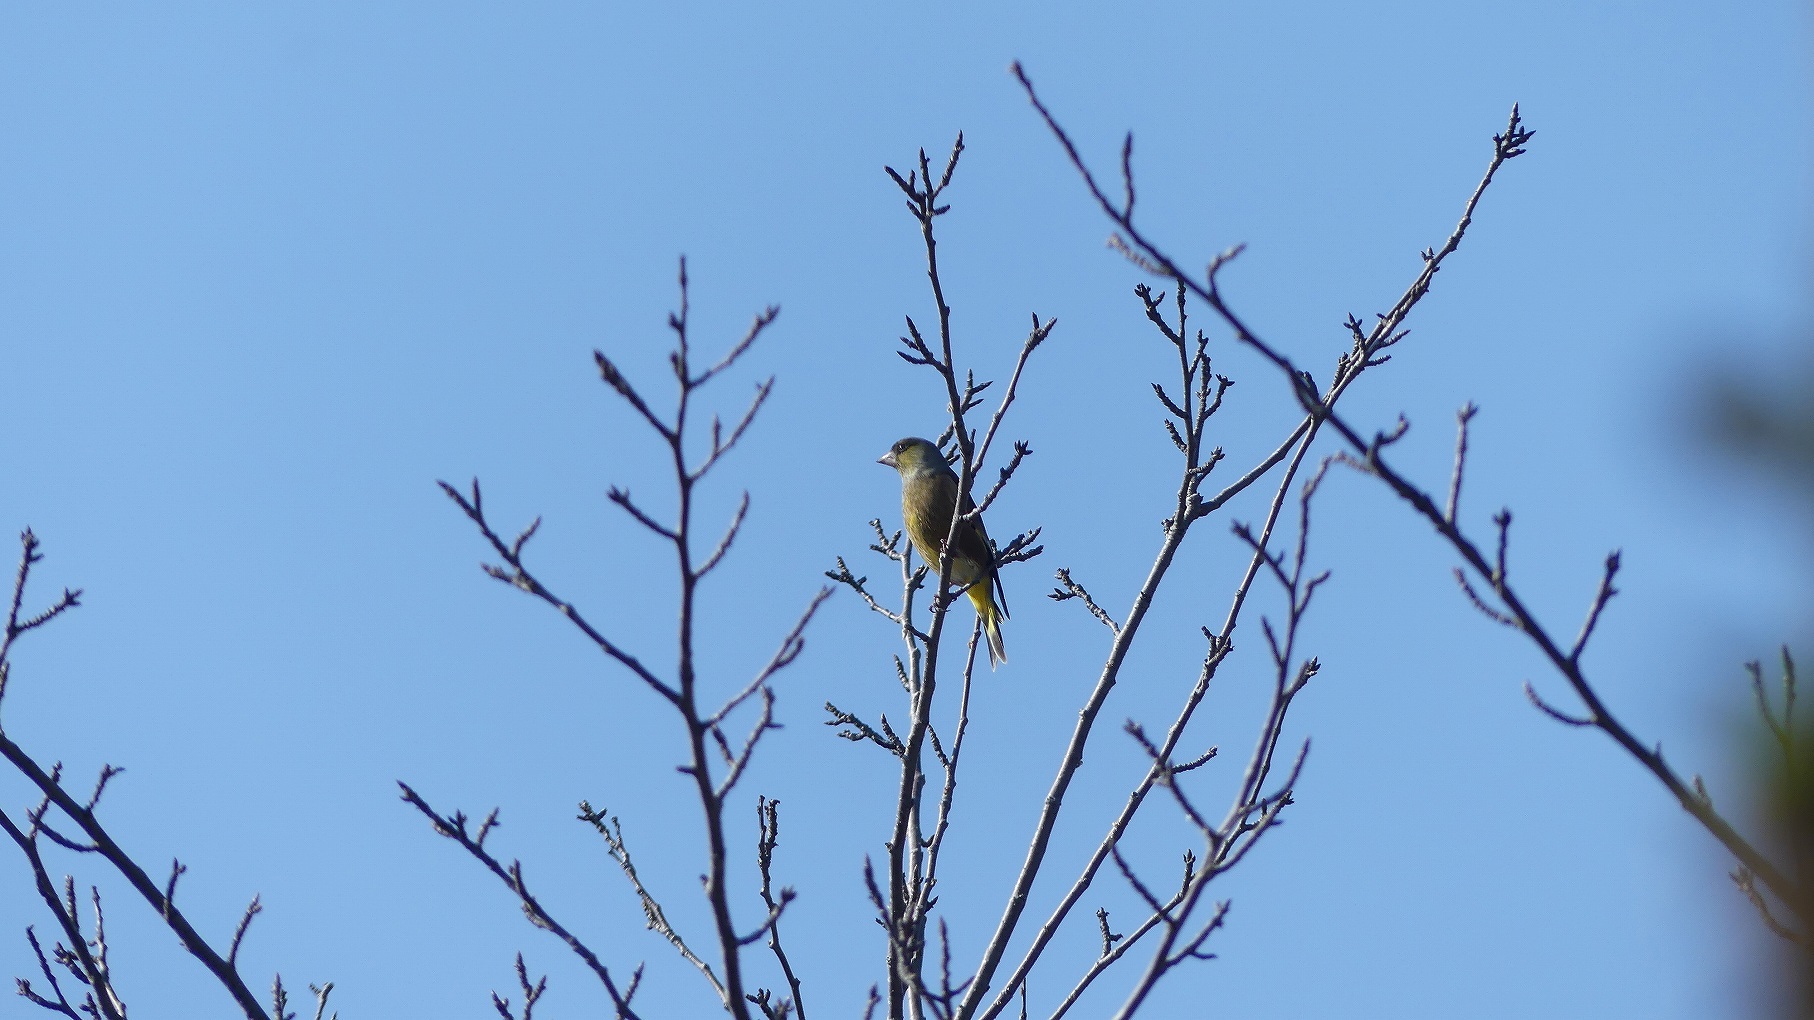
(912, 455)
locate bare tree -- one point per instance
(62, 821)
(723, 723)
(715, 759)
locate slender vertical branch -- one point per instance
(711, 763)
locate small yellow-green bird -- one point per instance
(928, 495)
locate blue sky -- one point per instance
(267, 273)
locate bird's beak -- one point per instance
(888, 459)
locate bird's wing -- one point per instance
(927, 502)
(973, 544)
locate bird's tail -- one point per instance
(983, 598)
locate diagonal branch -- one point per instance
(454, 828)
(519, 576)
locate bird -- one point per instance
(928, 494)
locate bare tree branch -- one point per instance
(91, 967)
(454, 828)
(712, 763)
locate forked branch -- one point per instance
(714, 761)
